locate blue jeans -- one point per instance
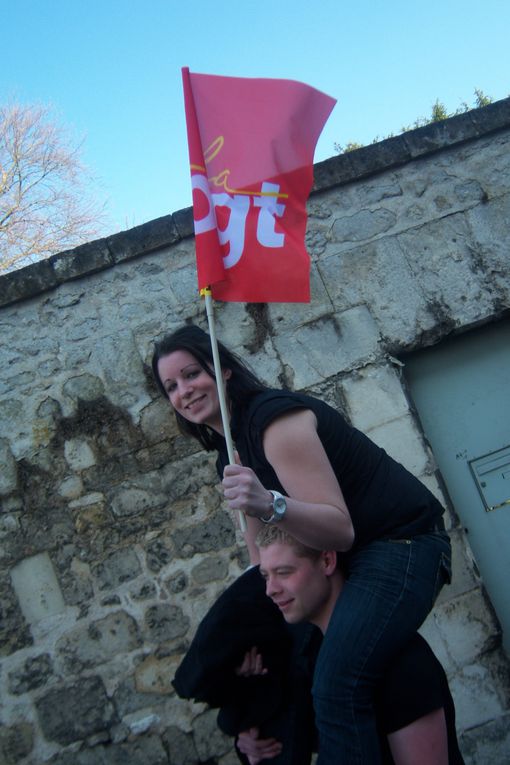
(390, 589)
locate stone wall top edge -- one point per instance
(98, 255)
(37, 278)
(403, 148)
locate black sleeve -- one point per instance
(412, 687)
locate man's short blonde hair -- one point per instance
(272, 534)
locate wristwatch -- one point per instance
(279, 508)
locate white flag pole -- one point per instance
(221, 389)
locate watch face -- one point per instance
(280, 506)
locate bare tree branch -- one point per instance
(46, 200)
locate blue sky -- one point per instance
(112, 71)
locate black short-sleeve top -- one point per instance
(413, 686)
(384, 499)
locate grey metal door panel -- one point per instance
(461, 389)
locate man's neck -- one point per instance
(323, 618)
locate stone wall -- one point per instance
(114, 540)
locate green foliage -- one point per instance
(350, 146)
(481, 98)
(438, 113)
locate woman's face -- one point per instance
(191, 390)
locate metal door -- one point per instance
(461, 389)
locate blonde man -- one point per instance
(414, 706)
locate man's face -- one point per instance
(300, 587)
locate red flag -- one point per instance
(251, 146)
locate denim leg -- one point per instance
(390, 589)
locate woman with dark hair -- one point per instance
(303, 466)
(242, 382)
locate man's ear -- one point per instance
(329, 561)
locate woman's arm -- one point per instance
(422, 742)
(316, 514)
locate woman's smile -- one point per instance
(191, 389)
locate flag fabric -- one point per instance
(251, 146)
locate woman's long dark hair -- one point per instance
(240, 387)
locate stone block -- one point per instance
(154, 676)
(183, 220)
(158, 422)
(144, 591)
(468, 626)
(134, 501)
(75, 711)
(192, 476)
(37, 588)
(401, 439)
(85, 259)
(79, 455)
(33, 673)
(374, 396)
(265, 361)
(378, 275)
(14, 630)
(463, 576)
(89, 518)
(9, 525)
(89, 645)
(8, 469)
(363, 225)
(128, 698)
(182, 292)
(476, 697)
(290, 316)
(141, 725)
(122, 566)
(375, 190)
(16, 743)
(491, 117)
(332, 172)
(143, 750)
(438, 135)
(165, 622)
(176, 583)
(240, 326)
(316, 241)
(27, 282)
(329, 346)
(488, 743)
(210, 569)
(216, 533)
(491, 239)
(385, 154)
(71, 487)
(445, 270)
(154, 235)
(159, 553)
(85, 386)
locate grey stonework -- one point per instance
(73, 712)
(113, 536)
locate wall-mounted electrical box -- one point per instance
(492, 477)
